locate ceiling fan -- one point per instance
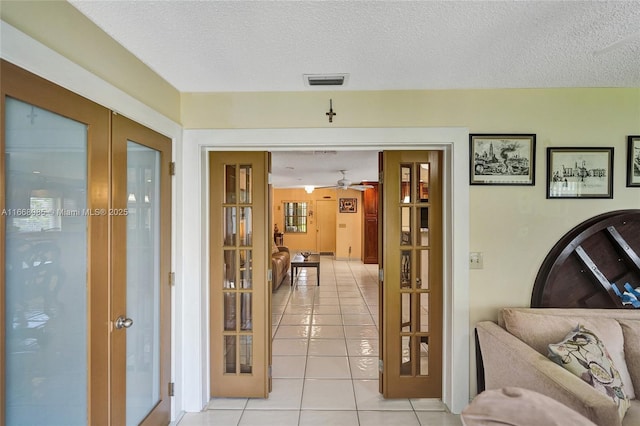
(345, 183)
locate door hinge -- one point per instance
(172, 168)
(172, 389)
(380, 274)
(381, 366)
(269, 275)
(380, 174)
(172, 279)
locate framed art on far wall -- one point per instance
(579, 172)
(633, 160)
(502, 159)
(348, 205)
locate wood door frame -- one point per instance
(452, 141)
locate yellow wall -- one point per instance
(348, 225)
(349, 229)
(59, 26)
(513, 226)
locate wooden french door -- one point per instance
(411, 305)
(240, 241)
(65, 253)
(141, 293)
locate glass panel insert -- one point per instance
(245, 184)
(229, 269)
(246, 226)
(46, 267)
(229, 226)
(246, 354)
(423, 214)
(405, 183)
(230, 311)
(229, 354)
(424, 356)
(405, 226)
(405, 356)
(405, 312)
(405, 269)
(423, 182)
(424, 312)
(143, 281)
(230, 183)
(422, 281)
(246, 277)
(246, 312)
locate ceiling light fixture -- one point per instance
(326, 79)
(309, 188)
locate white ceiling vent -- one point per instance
(326, 79)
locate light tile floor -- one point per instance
(325, 358)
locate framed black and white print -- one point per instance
(502, 159)
(348, 205)
(579, 172)
(633, 160)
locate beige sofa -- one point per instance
(280, 265)
(514, 353)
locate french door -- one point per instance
(240, 290)
(76, 256)
(141, 298)
(411, 287)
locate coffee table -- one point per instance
(313, 261)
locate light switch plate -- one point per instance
(475, 260)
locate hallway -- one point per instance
(325, 360)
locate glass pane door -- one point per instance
(46, 307)
(141, 312)
(240, 325)
(412, 264)
(143, 281)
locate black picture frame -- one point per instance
(502, 159)
(577, 172)
(348, 205)
(633, 161)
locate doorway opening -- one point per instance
(455, 216)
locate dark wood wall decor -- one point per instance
(370, 213)
(579, 269)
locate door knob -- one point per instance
(123, 322)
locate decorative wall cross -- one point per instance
(32, 115)
(331, 113)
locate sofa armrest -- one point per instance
(508, 361)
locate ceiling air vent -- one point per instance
(325, 79)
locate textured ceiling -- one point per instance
(249, 46)
(204, 46)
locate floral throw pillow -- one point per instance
(583, 353)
